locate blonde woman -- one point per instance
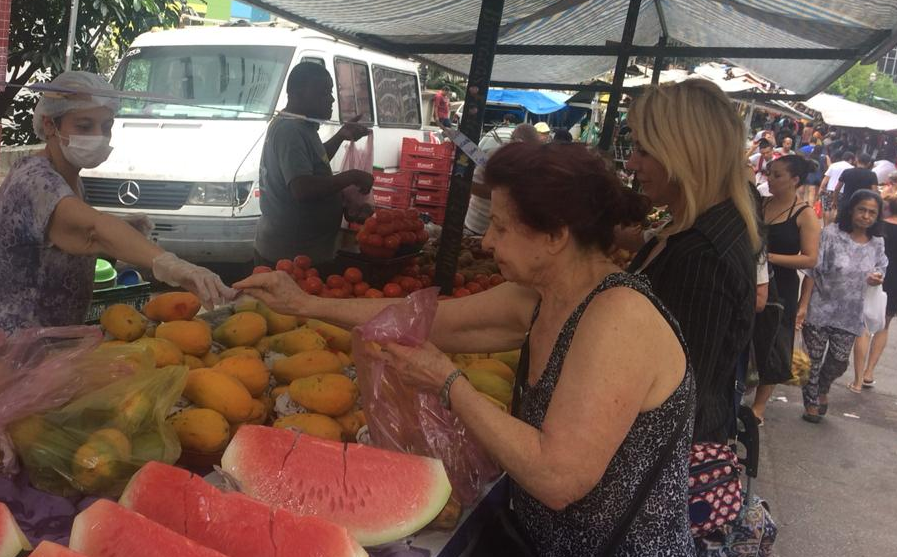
(688, 155)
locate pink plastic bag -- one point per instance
(358, 206)
(401, 417)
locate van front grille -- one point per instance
(150, 194)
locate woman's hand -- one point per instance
(801, 316)
(875, 279)
(207, 286)
(425, 366)
(278, 291)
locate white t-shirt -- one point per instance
(760, 173)
(883, 169)
(834, 173)
(479, 210)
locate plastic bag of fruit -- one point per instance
(94, 443)
(401, 417)
(358, 206)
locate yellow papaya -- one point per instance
(241, 329)
(192, 337)
(491, 365)
(165, 352)
(123, 322)
(172, 306)
(250, 371)
(305, 364)
(312, 424)
(222, 393)
(201, 430)
(302, 339)
(240, 351)
(193, 362)
(511, 359)
(331, 394)
(336, 337)
(490, 384)
(350, 424)
(115, 439)
(210, 359)
(277, 322)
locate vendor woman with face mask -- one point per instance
(49, 236)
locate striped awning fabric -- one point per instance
(866, 25)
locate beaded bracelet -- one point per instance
(444, 399)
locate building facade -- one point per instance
(888, 64)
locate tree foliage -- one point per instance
(856, 85)
(38, 39)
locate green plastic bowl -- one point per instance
(104, 274)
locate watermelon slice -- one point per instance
(50, 549)
(12, 540)
(106, 529)
(379, 496)
(232, 523)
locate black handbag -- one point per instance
(773, 341)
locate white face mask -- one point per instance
(85, 151)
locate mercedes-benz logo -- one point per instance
(129, 192)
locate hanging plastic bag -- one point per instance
(800, 363)
(875, 304)
(401, 417)
(358, 206)
(96, 442)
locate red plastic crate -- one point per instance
(431, 197)
(393, 179)
(419, 164)
(436, 214)
(423, 181)
(413, 147)
(394, 198)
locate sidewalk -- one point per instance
(832, 486)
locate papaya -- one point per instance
(490, 384)
(240, 351)
(95, 465)
(511, 359)
(259, 413)
(306, 364)
(132, 412)
(27, 431)
(165, 352)
(331, 394)
(250, 371)
(312, 424)
(336, 337)
(115, 439)
(345, 359)
(350, 424)
(210, 359)
(241, 329)
(491, 365)
(269, 404)
(279, 390)
(302, 339)
(246, 303)
(277, 322)
(201, 430)
(193, 362)
(264, 346)
(173, 306)
(192, 337)
(500, 405)
(111, 343)
(123, 322)
(464, 360)
(222, 393)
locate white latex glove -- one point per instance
(173, 270)
(139, 222)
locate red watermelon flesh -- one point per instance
(106, 529)
(379, 496)
(50, 549)
(232, 523)
(12, 540)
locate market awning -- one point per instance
(840, 112)
(800, 45)
(537, 102)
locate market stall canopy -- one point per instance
(536, 102)
(571, 41)
(840, 112)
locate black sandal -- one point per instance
(812, 418)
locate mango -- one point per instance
(132, 412)
(192, 337)
(345, 359)
(26, 432)
(173, 306)
(306, 364)
(222, 393)
(201, 430)
(210, 359)
(498, 404)
(331, 394)
(115, 439)
(241, 329)
(240, 351)
(246, 303)
(464, 360)
(250, 371)
(193, 362)
(277, 322)
(491, 365)
(95, 465)
(336, 337)
(302, 339)
(511, 359)
(279, 390)
(259, 413)
(490, 384)
(123, 322)
(165, 352)
(312, 424)
(350, 423)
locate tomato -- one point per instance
(383, 216)
(407, 237)
(418, 225)
(393, 241)
(327, 293)
(359, 289)
(482, 280)
(352, 275)
(459, 280)
(262, 269)
(313, 285)
(284, 265)
(298, 274)
(411, 271)
(370, 222)
(393, 290)
(430, 271)
(302, 261)
(375, 240)
(408, 284)
(335, 281)
(344, 292)
(411, 214)
(496, 279)
(474, 287)
(312, 272)
(461, 292)
(385, 229)
(418, 285)
(373, 293)
(421, 236)
(425, 281)
(362, 236)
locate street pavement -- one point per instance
(832, 487)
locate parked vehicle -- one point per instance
(192, 165)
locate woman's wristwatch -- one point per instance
(446, 390)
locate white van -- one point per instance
(193, 168)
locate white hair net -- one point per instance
(54, 104)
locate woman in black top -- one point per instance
(864, 370)
(688, 155)
(792, 233)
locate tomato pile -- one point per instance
(388, 229)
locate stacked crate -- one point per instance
(392, 190)
(431, 166)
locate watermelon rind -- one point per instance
(12, 539)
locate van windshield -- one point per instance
(209, 81)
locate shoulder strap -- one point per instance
(800, 210)
(616, 538)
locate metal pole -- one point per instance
(471, 125)
(616, 94)
(658, 63)
(70, 42)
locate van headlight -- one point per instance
(228, 194)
